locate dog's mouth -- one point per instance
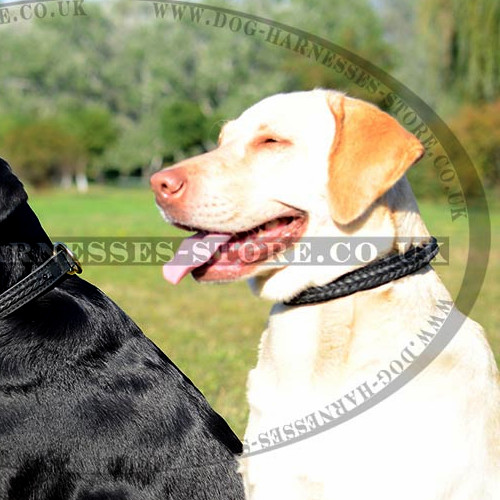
(213, 256)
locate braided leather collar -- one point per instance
(40, 280)
(392, 267)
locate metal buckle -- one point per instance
(76, 267)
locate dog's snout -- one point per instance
(169, 185)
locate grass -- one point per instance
(211, 332)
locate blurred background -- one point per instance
(94, 99)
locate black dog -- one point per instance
(90, 409)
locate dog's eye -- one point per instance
(269, 141)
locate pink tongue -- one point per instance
(192, 253)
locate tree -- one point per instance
(462, 39)
(479, 129)
(184, 129)
(52, 79)
(354, 26)
(95, 128)
(43, 151)
(447, 49)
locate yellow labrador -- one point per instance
(320, 164)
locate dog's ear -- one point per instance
(370, 153)
(12, 192)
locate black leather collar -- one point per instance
(40, 280)
(379, 272)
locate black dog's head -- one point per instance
(23, 242)
(18, 223)
(12, 193)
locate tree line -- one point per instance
(121, 91)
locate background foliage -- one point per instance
(119, 92)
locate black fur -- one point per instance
(90, 409)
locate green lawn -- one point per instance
(211, 332)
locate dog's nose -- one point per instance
(169, 184)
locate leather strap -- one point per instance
(40, 280)
(392, 267)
